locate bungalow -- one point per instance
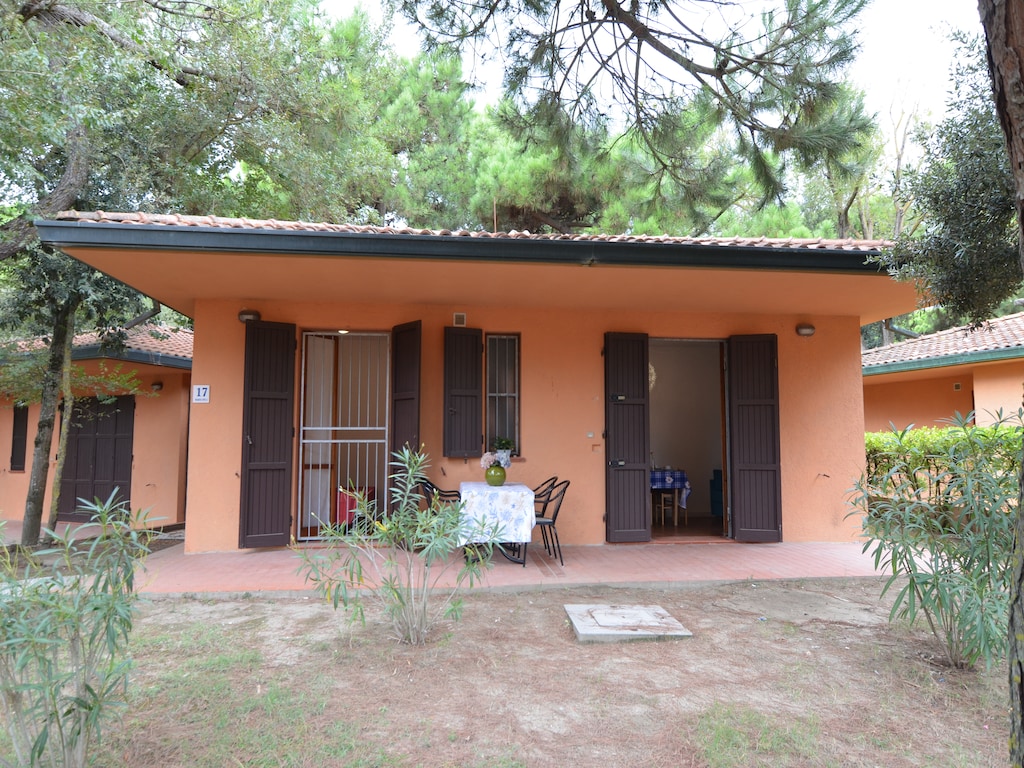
(322, 348)
(922, 382)
(135, 443)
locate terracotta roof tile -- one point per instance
(218, 222)
(149, 338)
(1002, 333)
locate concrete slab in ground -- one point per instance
(614, 623)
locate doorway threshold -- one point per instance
(699, 531)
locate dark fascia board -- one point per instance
(96, 352)
(78, 234)
(948, 361)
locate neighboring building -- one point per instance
(136, 443)
(322, 348)
(923, 382)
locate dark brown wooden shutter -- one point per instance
(755, 482)
(19, 438)
(627, 438)
(99, 455)
(405, 386)
(267, 431)
(463, 392)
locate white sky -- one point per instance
(905, 52)
(903, 65)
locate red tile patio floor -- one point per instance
(171, 571)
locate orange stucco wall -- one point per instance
(161, 449)
(918, 402)
(562, 395)
(14, 485)
(929, 398)
(160, 444)
(998, 387)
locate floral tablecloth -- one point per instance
(501, 513)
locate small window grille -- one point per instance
(502, 419)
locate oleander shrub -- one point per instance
(65, 620)
(399, 556)
(938, 510)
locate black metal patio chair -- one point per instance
(548, 531)
(430, 491)
(542, 493)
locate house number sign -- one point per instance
(200, 393)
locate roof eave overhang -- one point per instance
(947, 361)
(612, 252)
(142, 357)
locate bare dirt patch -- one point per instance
(805, 673)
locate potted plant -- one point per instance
(504, 446)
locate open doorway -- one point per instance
(344, 427)
(687, 432)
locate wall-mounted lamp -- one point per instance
(805, 329)
(248, 316)
(156, 386)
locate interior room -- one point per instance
(687, 412)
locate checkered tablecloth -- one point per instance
(668, 478)
(671, 479)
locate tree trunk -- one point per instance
(17, 233)
(63, 326)
(68, 399)
(1003, 21)
(1016, 630)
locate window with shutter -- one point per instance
(463, 392)
(19, 438)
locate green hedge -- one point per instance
(925, 459)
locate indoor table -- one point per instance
(674, 480)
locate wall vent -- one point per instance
(459, 319)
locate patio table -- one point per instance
(503, 511)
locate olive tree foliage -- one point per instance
(243, 108)
(963, 255)
(767, 75)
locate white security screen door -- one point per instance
(344, 425)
